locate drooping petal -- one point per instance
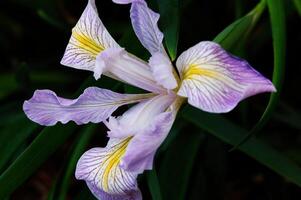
(128, 68)
(163, 71)
(141, 150)
(89, 37)
(101, 195)
(94, 105)
(138, 117)
(216, 81)
(99, 167)
(144, 22)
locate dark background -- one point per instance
(33, 38)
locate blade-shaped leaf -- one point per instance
(152, 176)
(257, 149)
(230, 36)
(31, 159)
(277, 15)
(153, 184)
(177, 164)
(8, 84)
(288, 115)
(14, 135)
(298, 6)
(80, 147)
(170, 21)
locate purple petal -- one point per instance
(140, 152)
(163, 71)
(144, 22)
(216, 81)
(89, 37)
(94, 105)
(101, 195)
(139, 117)
(100, 168)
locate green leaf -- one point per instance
(298, 6)
(277, 15)
(48, 141)
(14, 135)
(177, 164)
(232, 34)
(8, 84)
(288, 115)
(82, 142)
(257, 149)
(51, 192)
(170, 22)
(172, 135)
(238, 8)
(31, 159)
(153, 184)
(151, 176)
(10, 112)
(85, 194)
(51, 20)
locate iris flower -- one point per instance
(206, 76)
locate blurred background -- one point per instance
(193, 163)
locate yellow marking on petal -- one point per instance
(113, 160)
(196, 70)
(87, 43)
(223, 78)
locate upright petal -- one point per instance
(89, 38)
(216, 81)
(144, 22)
(163, 71)
(94, 105)
(128, 68)
(99, 167)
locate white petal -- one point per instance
(100, 167)
(89, 37)
(163, 71)
(215, 81)
(128, 68)
(138, 117)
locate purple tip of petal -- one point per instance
(94, 105)
(220, 80)
(101, 195)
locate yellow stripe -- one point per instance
(113, 161)
(196, 70)
(87, 43)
